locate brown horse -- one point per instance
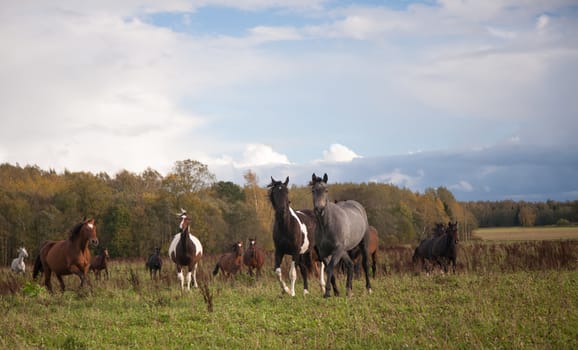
(254, 258)
(230, 263)
(99, 263)
(69, 256)
(372, 249)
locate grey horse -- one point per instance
(341, 227)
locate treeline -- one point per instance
(136, 212)
(510, 213)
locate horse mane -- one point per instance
(76, 229)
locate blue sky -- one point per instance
(476, 96)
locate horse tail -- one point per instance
(37, 267)
(216, 270)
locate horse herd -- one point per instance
(329, 236)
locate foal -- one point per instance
(18, 264)
(230, 263)
(254, 258)
(155, 263)
(98, 263)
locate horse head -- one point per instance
(279, 194)
(22, 252)
(319, 191)
(88, 232)
(238, 248)
(105, 253)
(452, 231)
(184, 220)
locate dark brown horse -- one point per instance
(294, 235)
(154, 263)
(438, 248)
(69, 256)
(99, 263)
(254, 258)
(186, 251)
(231, 262)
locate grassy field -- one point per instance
(527, 233)
(469, 310)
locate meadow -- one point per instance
(527, 233)
(516, 295)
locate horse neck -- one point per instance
(184, 240)
(79, 242)
(284, 218)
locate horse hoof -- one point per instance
(369, 291)
(305, 292)
(326, 295)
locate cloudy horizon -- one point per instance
(474, 96)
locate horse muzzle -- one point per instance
(94, 242)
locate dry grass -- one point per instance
(527, 233)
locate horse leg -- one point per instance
(61, 281)
(304, 274)
(322, 275)
(335, 258)
(373, 263)
(292, 277)
(349, 265)
(364, 263)
(180, 277)
(278, 259)
(106, 276)
(189, 278)
(47, 276)
(195, 284)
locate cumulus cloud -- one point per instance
(339, 153)
(259, 155)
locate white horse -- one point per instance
(18, 264)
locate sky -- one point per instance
(477, 96)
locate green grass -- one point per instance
(527, 233)
(517, 310)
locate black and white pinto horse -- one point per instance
(440, 248)
(18, 264)
(186, 251)
(341, 227)
(293, 234)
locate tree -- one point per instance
(188, 176)
(527, 216)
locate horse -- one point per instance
(254, 258)
(445, 247)
(293, 234)
(231, 262)
(99, 263)
(18, 265)
(341, 227)
(69, 256)
(441, 246)
(373, 247)
(186, 251)
(155, 263)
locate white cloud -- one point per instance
(259, 155)
(542, 22)
(463, 186)
(339, 153)
(398, 178)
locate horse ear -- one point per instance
(325, 178)
(287, 181)
(313, 178)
